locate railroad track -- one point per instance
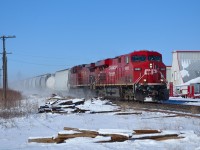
(186, 110)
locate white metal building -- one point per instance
(185, 67)
(168, 74)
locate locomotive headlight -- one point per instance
(161, 80)
(145, 80)
(151, 65)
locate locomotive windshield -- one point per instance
(138, 58)
(154, 58)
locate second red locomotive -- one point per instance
(140, 75)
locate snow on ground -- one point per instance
(96, 105)
(183, 101)
(16, 132)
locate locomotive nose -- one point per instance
(158, 71)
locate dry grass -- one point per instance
(13, 99)
(9, 108)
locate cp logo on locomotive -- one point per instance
(150, 71)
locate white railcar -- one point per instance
(38, 82)
(50, 83)
(44, 80)
(62, 80)
(33, 83)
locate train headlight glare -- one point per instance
(161, 80)
(145, 80)
(150, 65)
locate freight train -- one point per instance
(139, 75)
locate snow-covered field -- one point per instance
(16, 132)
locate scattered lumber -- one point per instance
(62, 105)
(159, 137)
(42, 140)
(146, 131)
(69, 133)
(74, 135)
(129, 113)
(118, 138)
(100, 112)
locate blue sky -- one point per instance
(53, 35)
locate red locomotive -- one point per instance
(140, 75)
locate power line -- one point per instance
(32, 63)
(39, 56)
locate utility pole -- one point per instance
(4, 59)
(0, 78)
